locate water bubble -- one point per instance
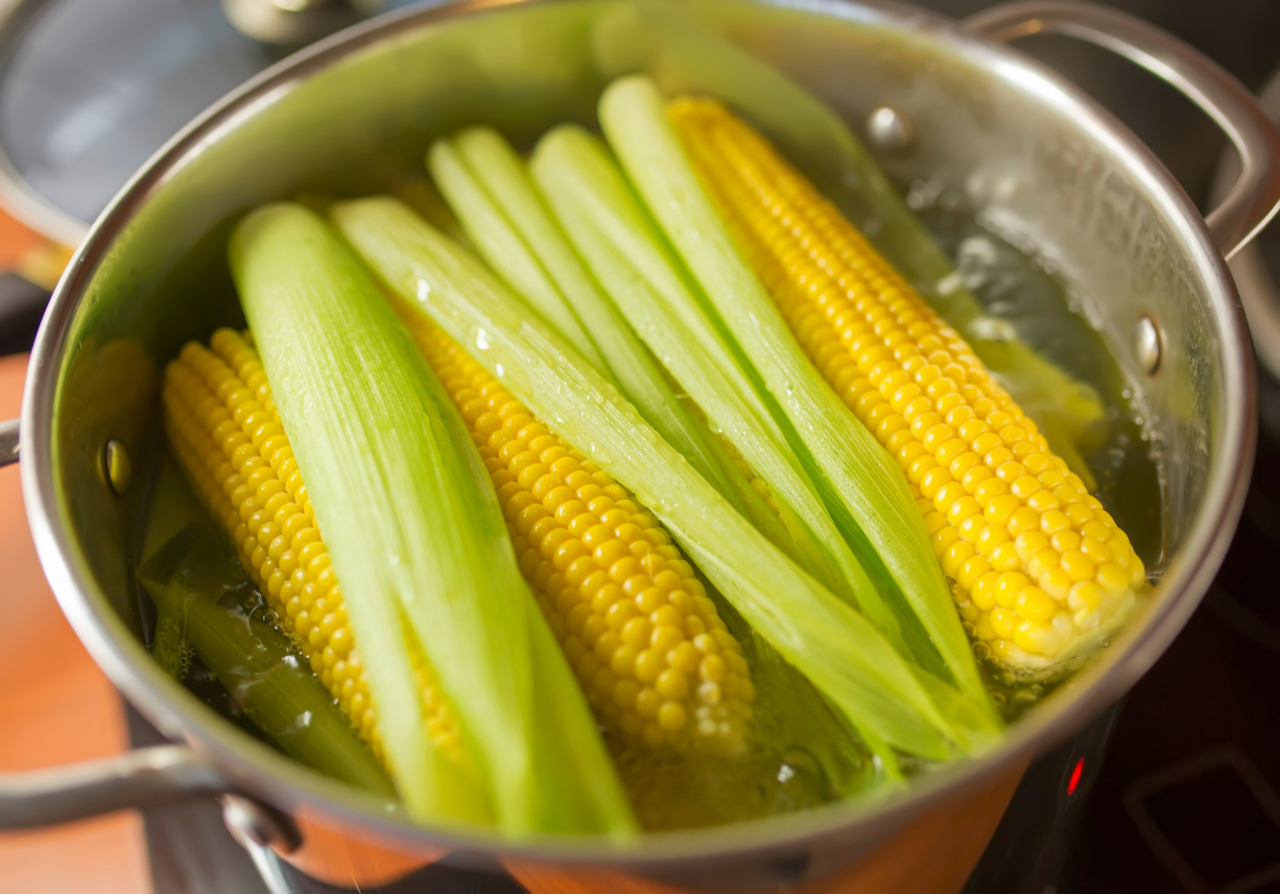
(992, 328)
(800, 760)
(949, 283)
(923, 194)
(1023, 699)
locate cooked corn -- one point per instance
(229, 439)
(647, 644)
(1038, 566)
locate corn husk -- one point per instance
(416, 536)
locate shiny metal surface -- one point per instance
(16, 193)
(294, 23)
(118, 467)
(1254, 197)
(251, 823)
(1258, 290)
(90, 89)
(8, 442)
(1146, 344)
(354, 114)
(141, 778)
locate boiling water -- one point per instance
(802, 755)
(1018, 288)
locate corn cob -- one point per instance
(863, 490)
(183, 568)
(1039, 568)
(228, 437)
(492, 192)
(841, 652)
(647, 644)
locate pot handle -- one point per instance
(8, 442)
(145, 777)
(1253, 199)
(22, 305)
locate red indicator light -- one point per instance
(1075, 777)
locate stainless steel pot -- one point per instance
(355, 113)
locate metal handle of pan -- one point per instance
(8, 442)
(145, 777)
(1253, 198)
(22, 305)
(1259, 291)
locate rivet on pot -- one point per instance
(115, 462)
(252, 823)
(1147, 344)
(891, 130)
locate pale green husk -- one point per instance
(476, 203)
(618, 242)
(685, 57)
(489, 190)
(413, 527)
(840, 652)
(860, 483)
(507, 208)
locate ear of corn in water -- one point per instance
(676, 506)
(1039, 567)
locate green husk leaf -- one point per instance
(416, 536)
(500, 245)
(616, 239)
(516, 234)
(860, 483)
(684, 56)
(192, 576)
(840, 652)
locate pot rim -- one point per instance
(278, 780)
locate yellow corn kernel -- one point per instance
(649, 648)
(228, 437)
(984, 476)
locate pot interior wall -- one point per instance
(1000, 138)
